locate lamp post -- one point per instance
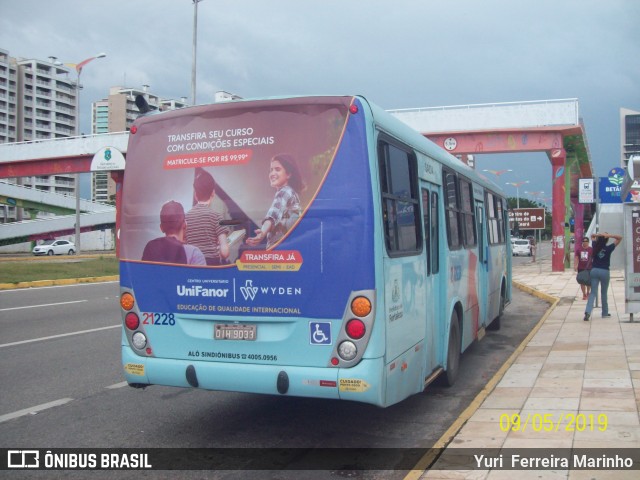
(78, 67)
(497, 173)
(517, 185)
(535, 194)
(195, 46)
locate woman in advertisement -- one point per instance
(285, 209)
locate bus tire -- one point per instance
(495, 324)
(453, 352)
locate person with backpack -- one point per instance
(600, 271)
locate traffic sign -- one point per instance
(586, 190)
(527, 218)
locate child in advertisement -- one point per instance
(171, 248)
(203, 224)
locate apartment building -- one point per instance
(116, 113)
(629, 135)
(37, 101)
(8, 98)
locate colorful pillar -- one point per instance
(558, 209)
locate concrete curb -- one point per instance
(430, 457)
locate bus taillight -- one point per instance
(347, 350)
(361, 306)
(139, 340)
(127, 301)
(355, 328)
(132, 321)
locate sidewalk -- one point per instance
(566, 367)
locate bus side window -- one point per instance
(452, 210)
(400, 201)
(431, 230)
(435, 234)
(501, 214)
(467, 213)
(426, 214)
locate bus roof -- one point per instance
(419, 142)
(381, 117)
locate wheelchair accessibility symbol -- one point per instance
(320, 333)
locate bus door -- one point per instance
(432, 288)
(483, 264)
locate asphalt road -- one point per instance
(62, 388)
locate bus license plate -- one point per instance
(234, 332)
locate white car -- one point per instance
(55, 247)
(521, 247)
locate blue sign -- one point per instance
(320, 333)
(610, 189)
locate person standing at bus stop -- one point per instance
(583, 260)
(600, 271)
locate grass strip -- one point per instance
(58, 268)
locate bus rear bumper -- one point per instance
(362, 383)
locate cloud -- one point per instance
(401, 53)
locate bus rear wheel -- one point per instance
(495, 324)
(453, 352)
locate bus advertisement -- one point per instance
(297, 246)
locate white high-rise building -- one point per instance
(37, 101)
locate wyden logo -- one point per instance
(249, 291)
(23, 459)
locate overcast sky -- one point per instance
(398, 53)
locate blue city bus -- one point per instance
(348, 257)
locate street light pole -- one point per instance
(497, 173)
(195, 47)
(517, 185)
(78, 67)
(535, 195)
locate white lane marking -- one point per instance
(59, 336)
(43, 305)
(34, 410)
(31, 289)
(117, 385)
